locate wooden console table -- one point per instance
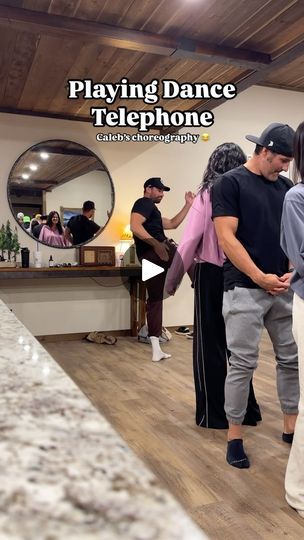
(133, 273)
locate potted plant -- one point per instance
(9, 240)
(2, 243)
(15, 245)
(9, 244)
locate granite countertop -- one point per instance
(65, 473)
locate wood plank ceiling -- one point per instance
(65, 161)
(43, 43)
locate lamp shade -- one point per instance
(127, 234)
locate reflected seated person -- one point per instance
(52, 232)
(82, 227)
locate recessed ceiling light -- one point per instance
(44, 155)
(33, 167)
(25, 176)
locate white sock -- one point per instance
(158, 354)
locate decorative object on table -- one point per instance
(9, 244)
(97, 256)
(37, 255)
(130, 258)
(65, 265)
(25, 257)
(120, 260)
(127, 253)
(101, 338)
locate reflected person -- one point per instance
(20, 218)
(26, 222)
(82, 227)
(36, 220)
(52, 232)
(36, 229)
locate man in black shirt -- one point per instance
(36, 230)
(81, 228)
(147, 225)
(247, 207)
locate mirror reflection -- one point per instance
(60, 193)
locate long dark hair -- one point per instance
(299, 154)
(49, 221)
(225, 157)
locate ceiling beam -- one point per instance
(257, 76)
(46, 114)
(282, 86)
(249, 80)
(216, 54)
(18, 180)
(123, 38)
(63, 150)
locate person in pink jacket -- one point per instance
(200, 255)
(52, 232)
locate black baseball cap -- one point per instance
(278, 138)
(156, 182)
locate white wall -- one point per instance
(95, 186)
(84, 305)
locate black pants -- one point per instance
(155, 290)
(210, 354)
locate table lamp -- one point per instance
(127, 248)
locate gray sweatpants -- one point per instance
(246, 312)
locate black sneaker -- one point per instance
(182, 331)
(190, 335)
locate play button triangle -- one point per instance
(149, 270)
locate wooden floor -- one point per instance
(152, 406)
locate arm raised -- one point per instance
(174, 222)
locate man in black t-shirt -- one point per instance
(147, 225)
(247, 207)
(36, 230)
(81, 228)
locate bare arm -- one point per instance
(174, 222)
(67, 235)
(136, 226)
(226, 228)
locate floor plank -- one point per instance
(152, 406)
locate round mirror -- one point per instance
(60, 193)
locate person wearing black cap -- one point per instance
(81, 228)
(147, 225)
(247, 207)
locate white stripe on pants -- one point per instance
(294, 479)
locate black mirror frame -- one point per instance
(106, 170)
